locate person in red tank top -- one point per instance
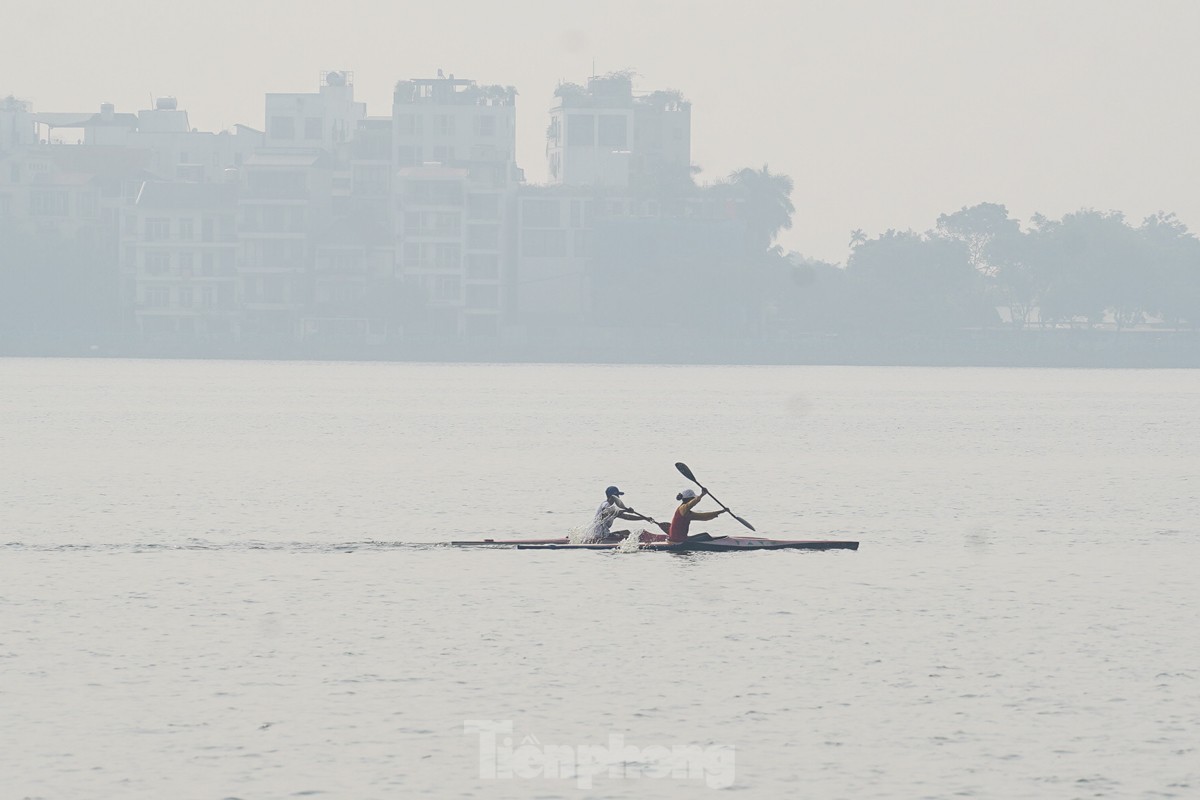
(684, 515)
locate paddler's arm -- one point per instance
(687, 504)
(706, 515)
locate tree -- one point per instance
(914, 282)
(767, 203)
(1091, 264)
(857, 237)
(1173, 255)
(979, 228)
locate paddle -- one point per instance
(687, 473)
(643, 516)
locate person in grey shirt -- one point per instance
(611, 509)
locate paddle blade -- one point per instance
(687, 473)
(739, 519)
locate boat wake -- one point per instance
(207, 546)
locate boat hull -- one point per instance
(716, 544)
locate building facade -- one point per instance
(455, 144)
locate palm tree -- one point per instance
(857, 237)
(767, 203)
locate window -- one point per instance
(544, 243)
(412, 254)
(131, 224)
(443, 154)
(583, 243)
(483, 206)
(407, 124)
(274, 219)
(158, 263)
(432, 223)
(87, 204)
(483, 237)
(435, 193)
(483, 297)
(408, 155)
(447, 256)
(314, 128)
(443, 124)
(485, 125)
(370, 180)
(206, 265)
(273, 289)
(282, 128)
(158, 297)
(206, 229)
(613, 131)
(446, 288)
(581, 130)
(185, 230)
(158, 229)
(48, 203)
(185, 297)
(186, 262)
(483, 266)
(540, 214)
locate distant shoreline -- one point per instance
(1066, 348)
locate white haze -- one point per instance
(886, 114)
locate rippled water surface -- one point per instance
(229, 580)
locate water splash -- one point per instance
(593, 531)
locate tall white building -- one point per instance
(178, 261)
(286, 197)
(603, 135)
(455, 144)
(323, 119)
(17, 127)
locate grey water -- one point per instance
(229, 579)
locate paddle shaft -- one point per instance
(687, 473)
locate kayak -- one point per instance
(712, 544)
(701, 542)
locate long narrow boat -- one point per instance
(713, 544)
(701, 542)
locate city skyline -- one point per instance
(884, 116)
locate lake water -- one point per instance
(226, 579)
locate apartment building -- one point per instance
(286, 196)
(179, 274)
(455, 144)
(603, 135)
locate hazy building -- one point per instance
(17, 127)
(454, 143)
(323, 119)
(177, 151)
(617, 162)
(286, 196)
(179, 261)
(355, 297)
(604, 135)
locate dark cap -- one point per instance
(610, 491)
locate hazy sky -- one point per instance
(885, 113)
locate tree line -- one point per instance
(978, 267)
